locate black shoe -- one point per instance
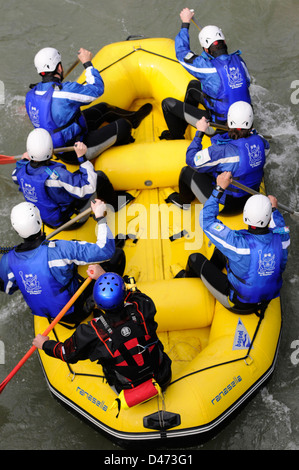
(141, 114)
(128, 140)
(117, 263)
(168, 136)
(175, 198)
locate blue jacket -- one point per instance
(47, 275)
(244, 158)
(54, 189)
(224, 80)
(55, 106)
(255, 263)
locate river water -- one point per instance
(266, 32)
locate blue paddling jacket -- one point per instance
(244, 158)
(224, 79)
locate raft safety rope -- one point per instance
(260, 315)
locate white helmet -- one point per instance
(39, 145)
(47, 59)
(25, 219)
(257, 211)
(240, 115)
(210, 34)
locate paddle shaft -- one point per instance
(46, 332)
(68, 224)
(71, 68)
(252, 191)
(224, 127)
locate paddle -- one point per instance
(46, 332)
(71, 68)
(6, 159)
(218, 126)
(6, 249)
(252, 191)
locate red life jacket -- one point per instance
(132, 349)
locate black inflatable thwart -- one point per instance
(5, 249)
(162, 420)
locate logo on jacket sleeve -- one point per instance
(218, 227)
(266, 264)
(28, 191)
(234, 76)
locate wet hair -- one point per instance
(218, 48)
(239, 133)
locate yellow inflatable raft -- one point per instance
(219, 359)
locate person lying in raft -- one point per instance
(241, 150)
(221, 79)
(254, 258)
(122, 338)
(45, 271)
(55, 106)
(57, 192)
